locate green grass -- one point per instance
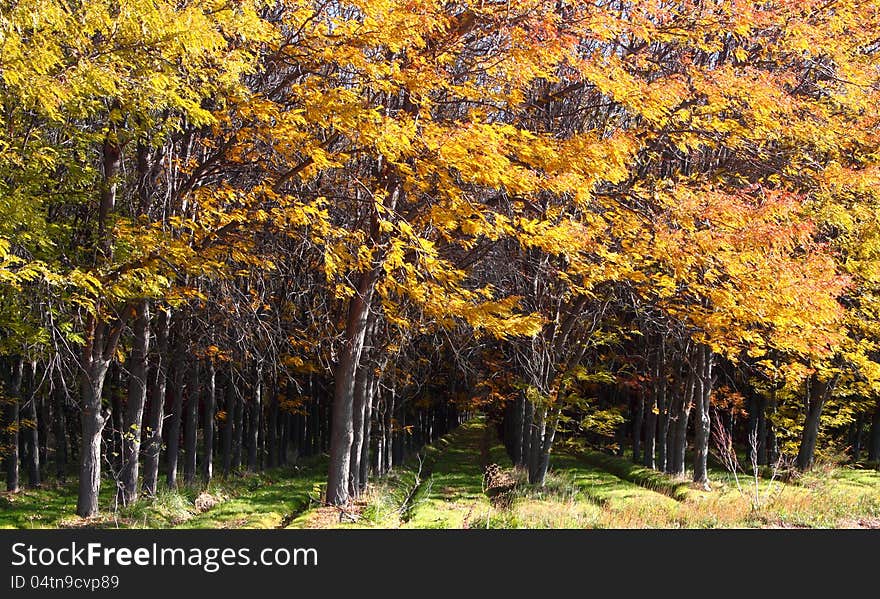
(242, 500)
(583, 489)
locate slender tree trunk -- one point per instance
(389, 431)
(158, 384)
(134, 408)
(44, 424)
(363, 383)
(662, 408)
(238, 428)
(650, 450)
(254, 422)
(874, 447)
(272, 427)
(31, 433)
(702, 424)
(208, 423)
(368, 423)
(10, 422)
(638, 421)
(59, 400)
(191, 426)
(228, 422)
(681, 425)
(172, 454)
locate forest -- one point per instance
(534, 263)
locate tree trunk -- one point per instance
(638, 419)
(684, 404)
(208, 424)
(272, 427)
(874, 448)
(31, 433)
(59, 399)
(158, 384)
(363, 383)
(365, 446)
(191, 426)
(254, 422)
(238, 428)
(97, 355)
(663, 409)
(816, 394)
(703, 424)
(650, 450)
(228, 423)
(342, 428)
(134, 408)
(10, 423)
(543, 434)
(172, 454)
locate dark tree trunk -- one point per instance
(31, 433)
(44, 421)
(208, 423)
(638, 413)
(228, 422)
(10, 422)
(238, 429)
(368, 424)
(172, 454)
(134, 408)
(191, 426)
(254, 422)
(59, 400)
(363, 384)
(342, 428)
(389, 431)
(816, 394)
(272, 428)
(702, 424)
(684, 403)
(284, 441)
(158, 384)
(650, 449)
(874, 447)
(113, 390)
(662, 408)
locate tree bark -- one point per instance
(134, 408)
(10, 422)
(59, 400)
(874, 447)
(228, 423)
(816, 395)
(101, 342)
(362, 387)
(684, 404)
(158, 384)
(365, 446)
(172, 454)
(702, 424)
(342, 428)
(254, 422)
(638, 420)
(191, 426)
(31, 433)
(208, 423)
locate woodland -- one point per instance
(609, 263)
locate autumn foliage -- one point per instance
(581, 217)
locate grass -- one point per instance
(444, 488)
(242, 500)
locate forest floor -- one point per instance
(445, 486)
